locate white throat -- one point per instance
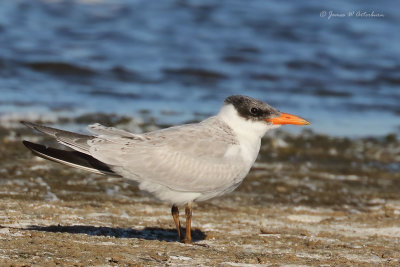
(248, 133)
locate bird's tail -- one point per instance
(70, 158)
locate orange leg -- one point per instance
(188, 213)
(175, 215)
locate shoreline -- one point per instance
(145, 121)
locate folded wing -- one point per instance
(184, 158)
(73, 140)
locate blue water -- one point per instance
(180, 59)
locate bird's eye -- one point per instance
(254, 111)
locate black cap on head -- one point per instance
(251, 108)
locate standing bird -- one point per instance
(181, 164)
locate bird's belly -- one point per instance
(171, 196)
(194, 194)
(167, 194)
(193, 179)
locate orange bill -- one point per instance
(286, 118)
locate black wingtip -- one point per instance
(34, 147)
(31, 145)
(74, 157)
(27, 144)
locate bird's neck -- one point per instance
(247, 132)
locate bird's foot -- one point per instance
(187, 241)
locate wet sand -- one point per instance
(309, 200)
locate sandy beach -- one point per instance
(309, 200)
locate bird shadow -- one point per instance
(148, 233)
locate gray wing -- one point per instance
(80, 158)
(74, 159)
(184, 158)
(73, 140)
(111, 133)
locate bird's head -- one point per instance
(251, 111)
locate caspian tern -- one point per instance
(181, 164)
